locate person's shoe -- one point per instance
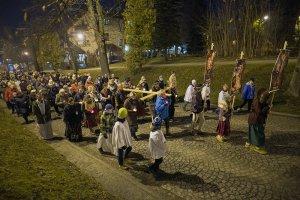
(171, 120)
(220, 138)
(123, 167)
(101, 151)
(238, 109)
(247, 145)
(260, 150)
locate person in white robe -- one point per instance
(157, 145)
(205, 92)
(224, 94)
(188, 94)
(121, 137)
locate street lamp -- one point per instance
(26, 53)
(80, 36)
(266, 17)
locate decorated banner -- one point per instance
(277, 72)
(238, 72)
(209, 65)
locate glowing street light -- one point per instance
(26, 53)
(266, 17)
(80, 36)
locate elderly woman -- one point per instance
(41, 110)
(73, 117)
(257, 121)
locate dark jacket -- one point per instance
(197, 102)
(131, 104)
(259, 112)
(73, 114)
(42, 119)
(22, 103)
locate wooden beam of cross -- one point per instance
(150, 93)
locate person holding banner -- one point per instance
(257, 121)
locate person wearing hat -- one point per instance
(121, 137)
(188, 94)
(197, 109)
(162, 105)
(157, 145)
(107, 121)
(223, 128)
(73, 117)
(132, 105)
(42, 111)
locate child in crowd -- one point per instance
(157, 145)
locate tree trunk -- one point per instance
(96, 22)
(294, 87)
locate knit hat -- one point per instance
(108, 107)
(122, 113)
(157, 121)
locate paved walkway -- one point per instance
(198, 167)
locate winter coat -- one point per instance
(162, 107)
(23, 104)
(248, 91)
(259, 112)
(197, 102)
(131, 104)
(73, 114)
(107, 122)
(42, 119)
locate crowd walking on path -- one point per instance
(109, 111)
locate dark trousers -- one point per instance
(171, 111)
(155, 166)
(249, 101)
(133, 130)
(208, 104)
(25, 117)
(167, 123)
(123, 153)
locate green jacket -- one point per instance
(107, 122)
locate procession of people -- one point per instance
(110, 109)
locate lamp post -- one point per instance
(26, 56)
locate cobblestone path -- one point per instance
(199, 167)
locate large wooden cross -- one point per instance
(150, 93)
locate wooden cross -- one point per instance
(150, 93)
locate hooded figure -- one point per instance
(104, 143)
(121, 137)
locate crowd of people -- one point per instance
(110, 108)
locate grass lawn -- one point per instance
(30, 169)
(261, 72)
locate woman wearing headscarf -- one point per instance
(42, 111)
(257, 121)
(121, 137)
(73, 117)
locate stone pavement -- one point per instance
(198, 167)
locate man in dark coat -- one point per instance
(197, 109)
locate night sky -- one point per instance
(11, 11)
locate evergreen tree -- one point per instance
(139, 26)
